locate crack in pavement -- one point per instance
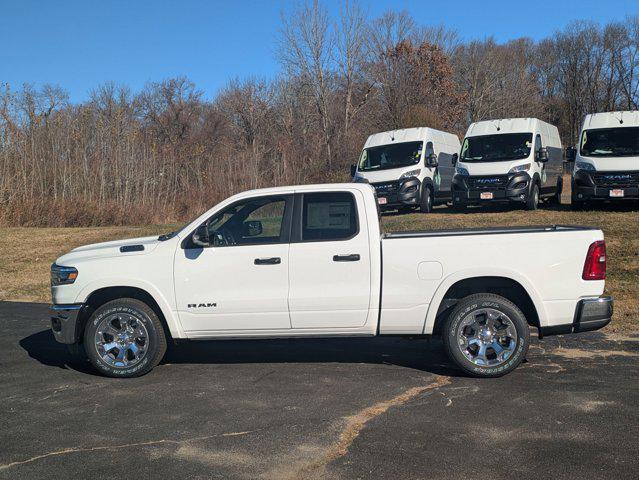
(165, 441)
(356, 423)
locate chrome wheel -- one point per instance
(121, 340)
(487, 337)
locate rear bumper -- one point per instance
(64, 322)
(509, 188)
(590, 314)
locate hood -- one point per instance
(492, 168)
(138, 246)
(612, 164)
(390, 174)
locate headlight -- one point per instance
(520, 168)
(63, 275)
(461, 171)
(411, 173)
(588, 167)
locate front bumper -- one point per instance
(595, 186)
(399, 193)
(591, 314)
(514, 187)
(64, 322)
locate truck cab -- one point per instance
(408, 168)
(606, 162)
(516, 160)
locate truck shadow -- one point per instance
(419, 354)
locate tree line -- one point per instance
(166, 153)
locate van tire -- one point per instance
(532, 202)
(426, 203)
(475, 303)
(133, 312)
(556, 198)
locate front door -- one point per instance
(236, 277)
(329, 262)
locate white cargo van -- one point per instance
(509, 160)
(408, 168)
(607, 161)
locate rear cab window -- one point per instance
(328, 216)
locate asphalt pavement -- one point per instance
(380, 408)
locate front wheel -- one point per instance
(532, 203)
(426, 204)
(486, 335)
(124, 338)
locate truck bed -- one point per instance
(486, 231)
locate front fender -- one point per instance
(453, 278)
(172, 320)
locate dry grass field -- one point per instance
(26, 253)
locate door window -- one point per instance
(329, 216)
(256, 221)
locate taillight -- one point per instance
(595, 265)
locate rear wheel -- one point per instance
(426, 204)
(556, 198)
(124, 338)
(486, 335)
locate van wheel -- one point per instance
(556, 198)
(124, 338)
(532, 203)
(426, 204)
(486, 335)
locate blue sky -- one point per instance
(81, 44)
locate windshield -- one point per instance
(495, 148)
(610, 142)
(395, 155)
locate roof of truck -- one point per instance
(411, 135)
(305, 188)
(504, 125)
(628, 118)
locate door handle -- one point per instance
(353, 257)
(268, 261)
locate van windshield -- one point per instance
(394, 155)
(495, 148)
(610, 142)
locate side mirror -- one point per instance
(252, 228)
(201, 236)
(541, 155)
(431, 160)
(571, 154)
(353, 170)
(454, 159)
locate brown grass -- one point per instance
(26, 253)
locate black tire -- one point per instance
(532, 202)
(556, 198)
(137, 311)
(404, 210)
(426, 203)
(478, 303)
(458, 207)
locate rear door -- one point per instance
(329, 261)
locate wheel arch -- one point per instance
(99, 296)
(509, 285)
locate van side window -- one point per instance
(329, 216)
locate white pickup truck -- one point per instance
(310, 261)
